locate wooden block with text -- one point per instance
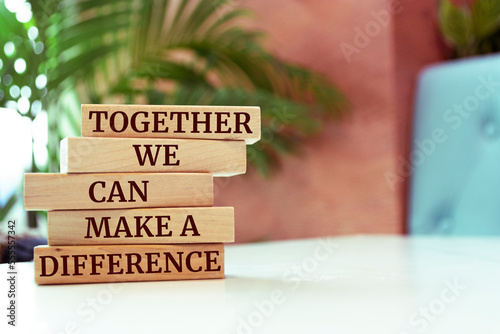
(163, 121)
(141, 226)
(47, 191)
(125, 263)
(97, 155)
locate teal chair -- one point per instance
(455, 157)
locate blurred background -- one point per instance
(335, 81)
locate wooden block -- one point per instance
(125, 263)
(141, 226)
(97, 155)
(46, 191)
(203, 122)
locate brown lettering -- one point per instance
(55, 264)
(188, 262)
(133, 122)
(196, 122)
(98, 119)
(211, 260)
(152, 262)
(113, 264)
(221, 122)
(179, 115)
(157, 121)
(95, 264)
(160, 226)
(239, 122)
(113, 123)
(143, 226)
(135, 263)
(78, 264)
(91, 192)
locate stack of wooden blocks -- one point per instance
(134, 200)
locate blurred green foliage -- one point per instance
(470, 29)
(158, 52)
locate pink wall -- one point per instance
(417, 42)
(338, 186)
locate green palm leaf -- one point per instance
(471, 29)
(165, 52)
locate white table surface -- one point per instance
(358, 284)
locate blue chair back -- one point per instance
(455, 179)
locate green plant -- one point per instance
(162, 52)
(470, 29)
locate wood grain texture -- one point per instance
(159, 121)
(99, 155)
(125, 263)
(47, 191)
(141, 226)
